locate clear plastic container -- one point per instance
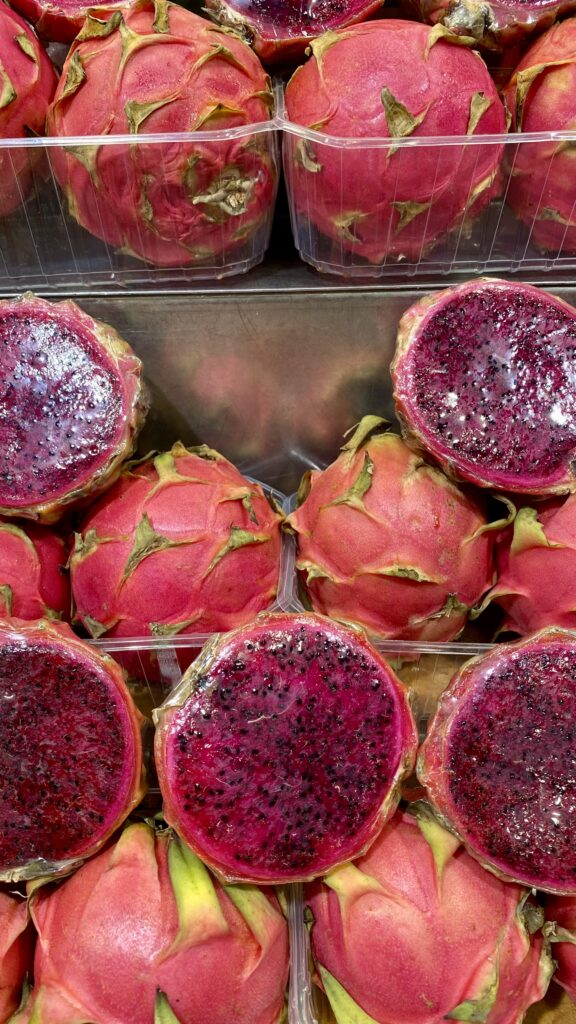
(222, 214)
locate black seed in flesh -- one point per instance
(298, 17)
(303, 765)
(512, 765)
(66, 754)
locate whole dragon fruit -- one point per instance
(183, 543)
(15, 952)
(70, 749)
(282, 751)
(390, 79)
(415, 932)
(561, 913)
(541, 97)
(144, 934)
(27, 86)
(157, 68)
(484, 382)
(492, 24)
(387, 541)
(280, 30)
(73, 402)
(499, 760)
(33, 579)
(536, 559)
(60, 21)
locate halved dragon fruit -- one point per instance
(157, 68)
(280, 30)
(484, 382)
(492, 24)
(143, 932)
(70, 749)
(60, 21)
(16, 946)
(387, 541)
(391, 79)
(33, 578)
(73, 402)
(27, 85)
(281, 753)
(415, 932)
(499, 761)
(541, 97)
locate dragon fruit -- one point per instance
(15, 952)
(483, 381)
(33, 580)
(415, 932)
(561, 913)
(282, 751)
(280, 30)
(391, 79)
(492, 24)
(536, 559)
(499, 759)
(27, 86)
(183, 543)
(68, 708)
(60, 21)
(73, 403)
(389, 542)
(541, 98)
(157, 68)
(143, 933)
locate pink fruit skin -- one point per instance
(113, 935)
(541, 97)
(280, 31)
(492, 24)
(155, 201)
(27, 86)
(562, 910)
(32, 566)
(359, 559)
(60, 22)
(411, 938)
(385, 203)
(536, 560)
(15, 952)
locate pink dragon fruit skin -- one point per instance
(498, 760)
(536, 560)
(68, 707)
(540, 97)
(176, 203)
(27, 86)
(391, 79)
(282, 751)
(182, 544)
(387, 541)
(492, 24)
(60, 21)
(561, 913)
(483, 382)
(415, 932)
(33, 580)
(143, 933)
(280, 30)
(15, 952)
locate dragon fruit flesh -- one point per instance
(157, 68)
(281, 753)
(561, 913)
(73, 403)
(15, 952)
(33, 579)
(536, 560)
(70, 749)
(142, 933)
(183, 543)
(483, 381)
(416, 932)
(541, 97)
(492, 24)
(280, 30)
(499, 759)
(60, 21)
(27, 85)
(387, 541)
(391, 79)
